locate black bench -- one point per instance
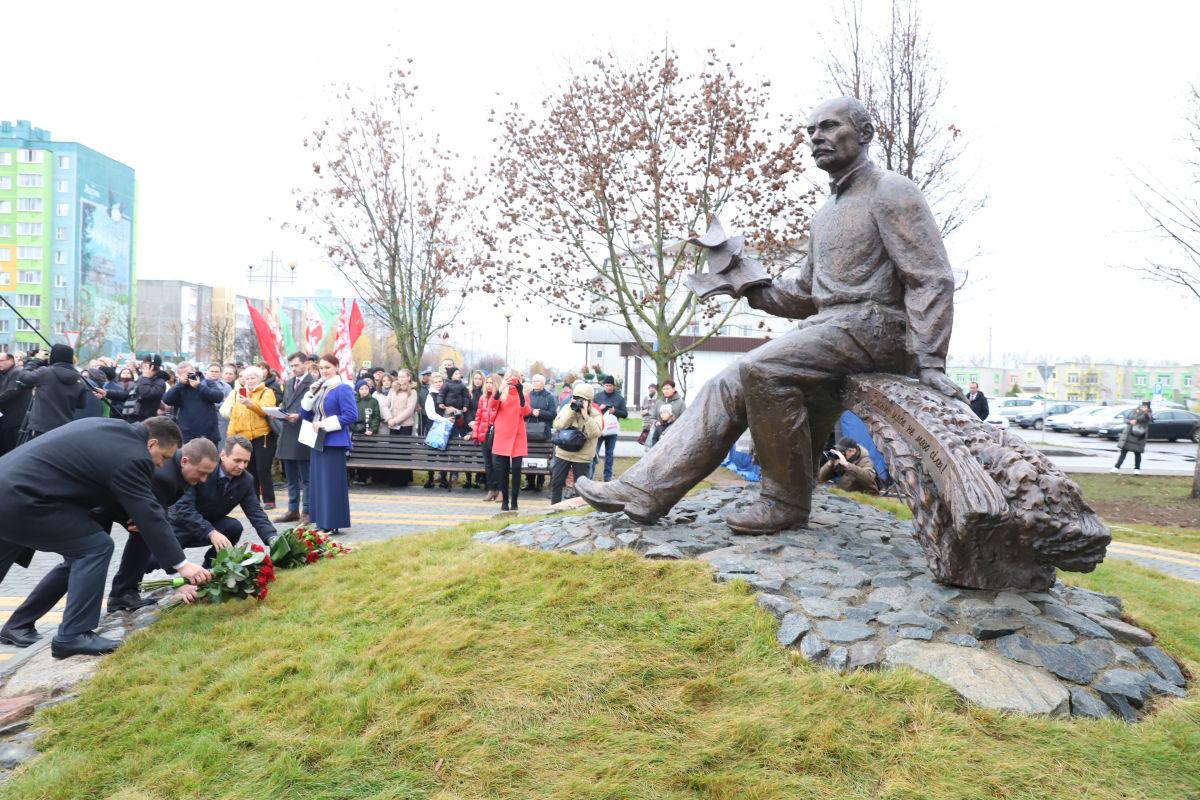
(411, 452)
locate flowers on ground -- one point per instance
(237, 573)
(303, 545)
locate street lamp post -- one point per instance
(507, 323)
(270, 274)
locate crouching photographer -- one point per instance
(575, 432)
(850, 467)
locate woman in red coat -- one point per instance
(509, 444)
(486, 406)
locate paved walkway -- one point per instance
(377, 514)
(1177, 564)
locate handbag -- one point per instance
(644, 436)
(536, 430)
(612, 425)
(1138, 431)
(439, 435)
(571, 440)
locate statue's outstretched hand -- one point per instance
(936, 379)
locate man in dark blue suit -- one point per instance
(201, 516)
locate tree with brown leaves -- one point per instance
(890, 65)
(388, 208)
(599, 187)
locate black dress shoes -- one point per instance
(85, 644)
(19, 637)
(128, 602)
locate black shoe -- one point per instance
(445, 485)
(504, 507)
(19, 637)
(468, 485)
(85, 644)
(428, 484)
(130, 601)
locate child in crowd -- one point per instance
(369, 417)
(665, 420)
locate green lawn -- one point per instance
(432, 667)
(632, 423)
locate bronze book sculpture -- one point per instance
(874, 302)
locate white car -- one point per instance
(1081, 423)
(1066, 422)
(999, 420)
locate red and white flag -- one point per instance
(270, 341)
(314, 330)
(342, 344)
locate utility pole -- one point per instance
(269, 272)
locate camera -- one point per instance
(577, 405)
(191, 376)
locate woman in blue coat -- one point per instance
(329, 406)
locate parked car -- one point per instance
(1086, 424)
(1167, 424)
(1065, 422)
(1115, 415)
(1035, 417)
(998, 419)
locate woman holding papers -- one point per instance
(328, 410)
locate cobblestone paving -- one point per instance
(376, 513)
(1177, 564)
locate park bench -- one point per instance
(411, 452)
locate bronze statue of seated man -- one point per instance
(876, 294)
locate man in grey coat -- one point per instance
(292, 454)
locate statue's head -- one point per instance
(839, 133)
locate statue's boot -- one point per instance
(616, 495)
(779, 425)
(769, 515)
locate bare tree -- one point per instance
(245, 346)
(890, 65)
(218, 336)
(94, 326)
(598, 188)
(1175, 219)
(392, 215)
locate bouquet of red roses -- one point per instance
(304, 545)
(237, 573)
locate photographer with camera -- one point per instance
(59, 390)
(850, 467)
(148, 391)
(575, 433)
(196, 400)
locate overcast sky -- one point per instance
(1062, 105)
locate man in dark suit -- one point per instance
(201, 516)
(53, 483)
(977, 401)
(190, 465)
(292, 454)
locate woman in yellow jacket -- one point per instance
(247, 418)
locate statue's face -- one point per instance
(833, 139)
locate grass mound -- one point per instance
(430, 666)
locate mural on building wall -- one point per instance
(105, 252)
